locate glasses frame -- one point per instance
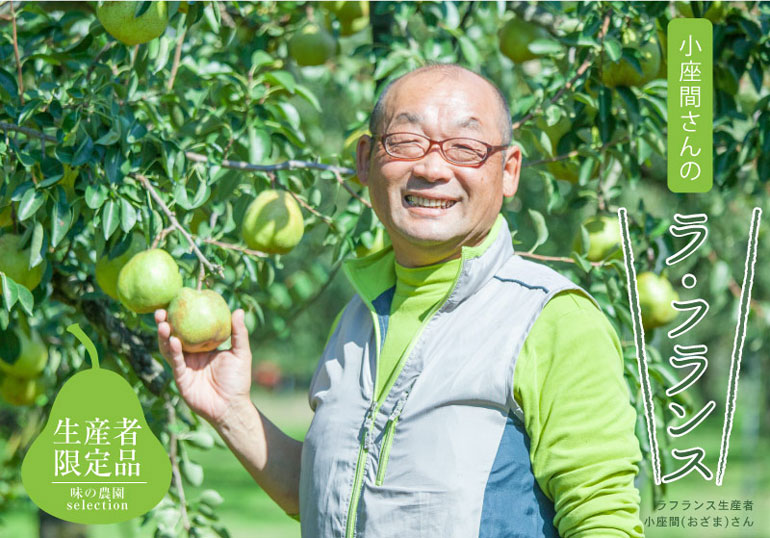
(440, 143)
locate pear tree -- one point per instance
(200, 157)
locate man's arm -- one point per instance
(270, 456)
(569, 383)
(216, 385)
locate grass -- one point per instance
(248, 512)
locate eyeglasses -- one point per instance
(460, 151)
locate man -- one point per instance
(463, 391)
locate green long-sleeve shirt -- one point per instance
(569, 383)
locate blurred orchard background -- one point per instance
(105, 142)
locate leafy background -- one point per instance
(101, 140)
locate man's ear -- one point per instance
(511, 171)
(363, 158)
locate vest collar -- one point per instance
(372, 275)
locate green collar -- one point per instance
(371, 275)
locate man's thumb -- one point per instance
(240, 336)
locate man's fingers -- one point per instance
(240, 337)
(176, 357)
(164, 331)
(160, 315)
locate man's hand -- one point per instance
(213, 383)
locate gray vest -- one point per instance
(446, 454)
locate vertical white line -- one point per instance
(740, 337)
(641, 353)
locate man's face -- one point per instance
(430, 207)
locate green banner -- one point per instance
(690, 100)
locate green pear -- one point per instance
(273, 222)
(622, 73)
(150, 280)
(119, 21)
(6, 216)
(200, 319)
(21, 354)
(655, 296)
(603, 238)
(312, 45)
(96, 438)
(20, 391)
(107, 270)
(14, 262)
(515, 37)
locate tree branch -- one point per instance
(571, 82)
(173, 455)
(554, 258)
(214, 268)
(230, 246)
(120, 339)
(177, 57)
(16, 53)
(286, 165)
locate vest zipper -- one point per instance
(363, 450)
(390, 429)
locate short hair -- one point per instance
(504, 120)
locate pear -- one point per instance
(655, 296)
(107, 270)
(273, 223)
(515, 37)
(150, 280)
(603, 238)
(14, 262)
(312, 45)
(22, 355)
(119, 21)
(6, 216)
(131, 459)
(200, 319)
(19, 391)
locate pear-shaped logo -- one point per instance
(96, 460)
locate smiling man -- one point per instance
(463, 391)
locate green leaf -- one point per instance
(61, 219)
(260, 145)
(306, 94)
(95, 195)
(632, 103)
(36, 248)
(10, 292)
(192, 472)
(110, 218)
(141, 8)
(540, 227)
(83, 153)
(26, 299)
(212, 16)
(127, 215)
(211, 497)
(260, 58)
(113, 162)
(469, 50)
(8, 83)
(30, 203)
(613, 48)
(283, 79)
(112, 136)
(545, 47)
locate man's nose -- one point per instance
(433, 167)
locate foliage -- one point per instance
(102, 140)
